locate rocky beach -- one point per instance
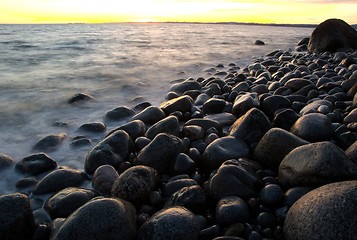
(268, 151)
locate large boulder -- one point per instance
(105, 218)
(328, 212)
(316, 164)
(16, 217)
(332, 35)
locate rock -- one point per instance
(214, 105)
(223, 119)
(169, 125)
(104, 178)
(274, 146)
(187, 85)
(50, 143)
(66, 201)
(36, 164)
(203, 123)
(102, 218)
(160, 153)
(191, 197)
(95, 127)
(119, 113)
(58, 180)
(351, 117)
(271, 195)
(182, 104)
(351, 152)
(234, 178)
(182, 164)
(5, 161)
(177, 183)
(314, 105)
(80, 141)
(193, 132)
(79, 97)
(296, 84)
(135, 184)
(316, 164)
(327, 212)
(150, 115)
(112, 150)
(313, 127)
(230, 210)
(274, 103)
(244, 103)
(285, 119)
(172, 223)
(135, 129)
(331, 35)
(16, 218)
(223, 149)
(294, 194)
(250, 127)
(259, 42)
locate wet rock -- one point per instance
(259, 42)
(285, 119)
(327, 212)
(214, 105)
(79, 97)
(185, 86)
(171, 223)
(80, 141)
(223, 119)
(135, 184)
(294, 194)
(103, 218)
(331, 35)
(313, 127)
(274, 146)
(351, 117)
(50, 142)
(203, 123)
(274, 103)
(169, 125)
(241, 87)
(103, 179)
(351, 152)
(193, 132)
(297, 84)
(271, 195)
(16, 218)
(28, 182)
(244, 103)
(223, 149)
(66, 201)
(150, 115)
(191, 197)
(160, 153)
(5, 161)
(316, 164)
(182, 104)
(58, 180)
(176, 183)
(182, 164)
(234, 178)
(230, 210)
(95, 127)
(36, 164)
(119, 113)
(251, 127)
(314, 105)
(135, 129)
(112, 150)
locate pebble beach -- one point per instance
(267, 151)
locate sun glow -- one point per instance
(97, 11)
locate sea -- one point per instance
(119, 64)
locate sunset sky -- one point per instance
(98, 11)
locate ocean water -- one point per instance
(43, 66)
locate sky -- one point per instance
(99, 11)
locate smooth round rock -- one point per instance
(103, 179)
(94, 127)
(230, 210)
(135, 129)
(172, 223)
(182, 164)
(36, 164)
(214, 105)
(184, 86)
(50, 142)
(16, 218)
(119, 113)
(80, 97)
(150, 115)
(294, 194)
(182, 104)
(328, 212)
(103, 218)
(244, 103)
(273, 103)
(5, 161)
(168, 125)
(135, 184)
(271, 195)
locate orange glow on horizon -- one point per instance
(94, 11)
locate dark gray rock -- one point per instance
(294, 194)
(59, 179)
(177, 183)
(182, 104)
(66, 201)
(160, 153)
(193, 132)
(182, 164)
(274, 146)
(285, 119)
(316, 164)
(119, 113)
(223, 119)
(314, 105)
(244, 103)
(203, 123)
(36, 164)
(223, 149)
(104, 178)
(313, 127)
(327, 212)
(80, 97)
(271, 195)
(80, 141)
(259, 42)
(234, 178)
(50, 142)
(5, 161)
(169, 125)
(94, 127)
(274, 103)
(184, 86)
(135, 129)
(135, 184)
(150, 115)
(331, 35)
(112, 150)
(296, 84)
(16, 218)
(351, 117)
(251, 127)
(103, 218)
(230, 210)
(172, 223)
(351, 152)
(214, 105)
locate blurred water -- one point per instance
(42, 66)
